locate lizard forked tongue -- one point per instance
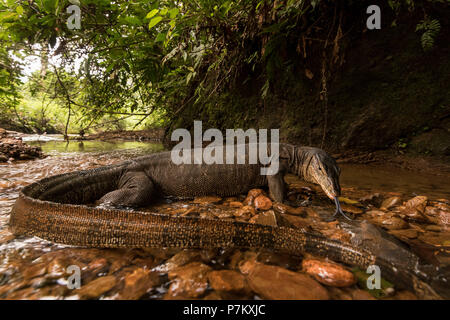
(339, 210)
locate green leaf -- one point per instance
(7, 16)
(173, 12)
(160, 37)
(152, 13)
(164, 11)
(133, 20)
(154, 22)
(19, 9)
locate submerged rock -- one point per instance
(252, 194)
(188, 281)
(359, 294)
(405, 233)
(137, 283)
(97, 287)
(328, 273)
(275, 283)
(263, 203)
(206, 200)
(390, 221)
(178, 260)
(415, 208)
(282, 208)
(267, 218)
(227, 280)
(390, 202)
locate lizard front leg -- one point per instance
(135, 190)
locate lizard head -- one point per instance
(323, 170)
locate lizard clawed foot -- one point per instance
(339, 210)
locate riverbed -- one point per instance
(32, 268)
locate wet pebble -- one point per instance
(227, 280)
(267, 218)
(352, 209)
(178, 260)
(359, 294)
(96, 288)
(282, 208)
(328, 273)
(390, 202)
(207, 200)
(138, 283)
(405, 233)
(389, 221)
(263, 203)
(245, 211)
(272, 282)
(188, 281)
(415, 208)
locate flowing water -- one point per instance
(32, 268)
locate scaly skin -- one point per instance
(53, 209)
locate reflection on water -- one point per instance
(382, 178)
(55, 146)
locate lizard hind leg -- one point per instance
(135, 189)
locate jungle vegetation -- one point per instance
(138, 64)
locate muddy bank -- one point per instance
(13, 148)
(433, 165)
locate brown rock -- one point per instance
(245, 211)
(433, 228)
(327, 273)
(405, 233)
(338, 294)
(248, 201)
(252, 194)
(296, 221)
(138, 283)
(419, 203)
(436, 238)
(263, 203)
(280, 259)
(5, 236)
(206, 200)
(390, 202)
(57, 267)
(267, 218)
(189, 280)
(351, 209)
(282, 208)
(97, 266)
(271, 282)
(179, 259)
(359, 294)
(213, 296)
(439, 214)
(97, 287)
(35, 271)
(405, 295)
(390, 222)
(235, 204)
(255, 192)
(226, 280)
